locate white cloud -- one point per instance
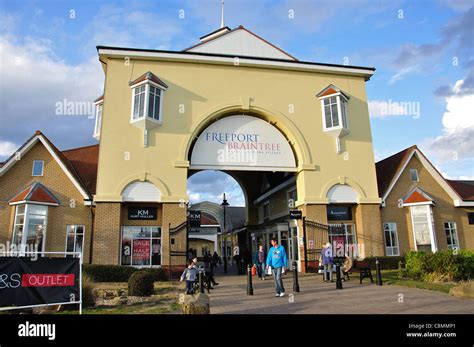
(32, 80)
(457, 140)
(7, 148)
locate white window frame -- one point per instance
(341, 103)
(346, 234)
(392, 247)
(99, 109)
(429, 216)
(151, 246)
(147, 84)
(26, 220)
(75, 236)
(414, 171)
(33, 168)
(453, 230)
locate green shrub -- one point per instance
(141, 283)
(386, 263)
(88, 291)
(440, 266)
(118, 273)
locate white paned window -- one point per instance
(29, 229)
(141, 246)
(75, 238)
(414, 175)
(451, 235)
(391, 239)
(38, 167)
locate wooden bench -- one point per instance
(363, 267)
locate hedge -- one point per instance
(117, 273)
(440, 266)
(140, 283)
(386, 263)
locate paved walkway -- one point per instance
(317, 297)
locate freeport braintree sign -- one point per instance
(242, 143)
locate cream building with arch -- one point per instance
(233, 102)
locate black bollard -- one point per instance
(201, 282)
(338, 276)
(249, 280)
(378, 272)
(225, 264)
(296, 286)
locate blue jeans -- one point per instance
(278, 280)
(189, 287)
(261, 270)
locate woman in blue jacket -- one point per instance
(276, 259)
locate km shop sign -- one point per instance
(24, 282)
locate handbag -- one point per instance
(254, 270)
(269, 270)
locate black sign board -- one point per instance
(296, 214)
(337, 212)
(194, 218)
(26, 282)
(141, 213)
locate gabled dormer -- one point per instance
(334, 112)
(147, 102)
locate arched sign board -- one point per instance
(242, 143)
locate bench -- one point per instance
(363, 267)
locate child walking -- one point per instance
(189, 274)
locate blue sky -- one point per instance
(423, 52)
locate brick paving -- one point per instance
(317, 297)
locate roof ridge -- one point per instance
(395, 154)
(73, 149)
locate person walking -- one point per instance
(277, 261)
(190, 275)
(215, 259)
(328, 262)
(259, 262)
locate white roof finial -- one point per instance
(222, 13)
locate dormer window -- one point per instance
(333, 107)
(99, 102)
(333, 104)
(147, 100)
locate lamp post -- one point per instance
(224, 204)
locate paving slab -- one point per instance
(317, 297)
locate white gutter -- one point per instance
(237, 61)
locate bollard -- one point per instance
(338, 276)
(378, 272)
(249, 280)
(296, 286)
(201, 282)
(225, 264)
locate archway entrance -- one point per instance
(260, 158)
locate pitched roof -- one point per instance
(417, 195)
(35, 192)
(150, 76)
(332, 89)
(464, 188)
(388, 168)
(226, 31)
(71, 171)
(85, 160)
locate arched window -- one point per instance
(141, 191)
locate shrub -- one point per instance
(141, 283)
(118, 273)
(386, 263)
(440, 266)
(88, 291)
